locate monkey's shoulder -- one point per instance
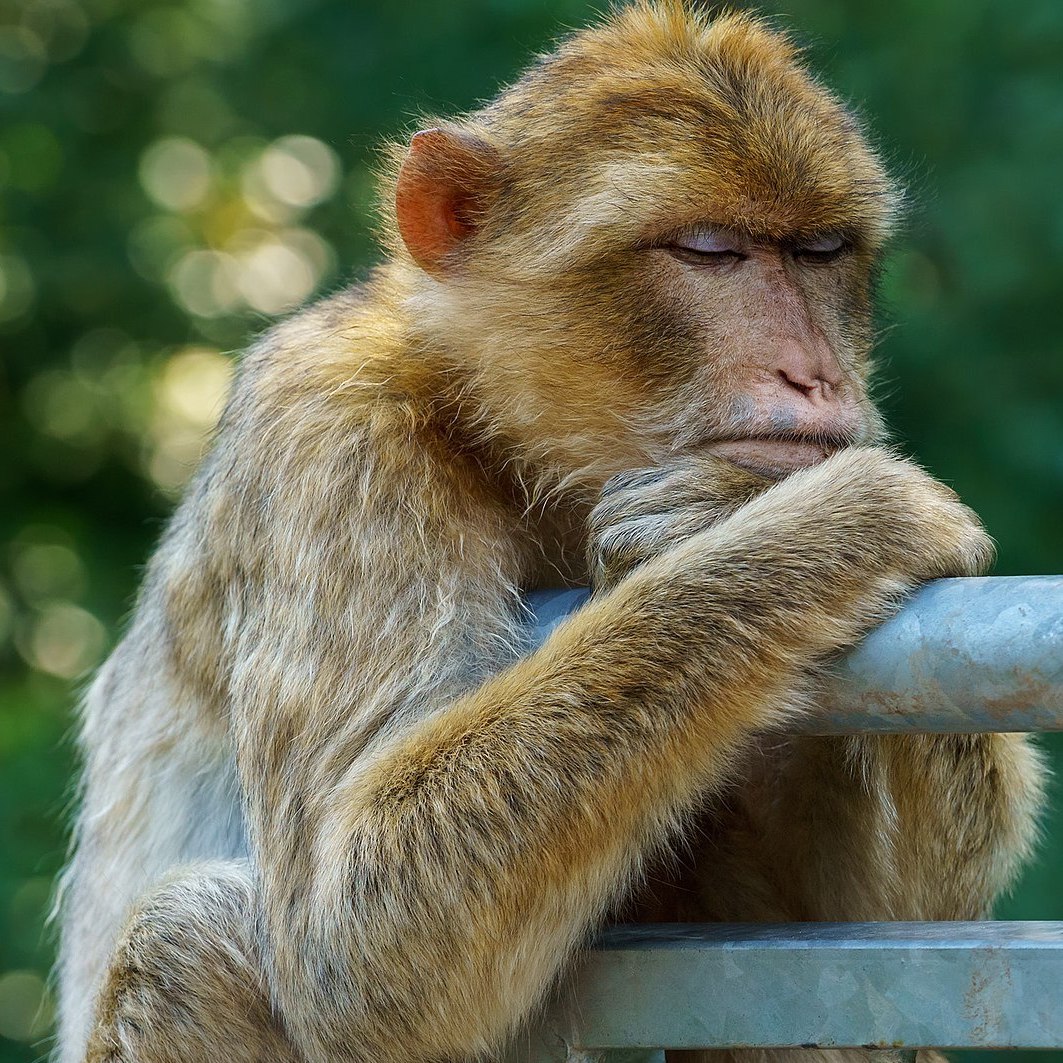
(336, 330)
(336, 368)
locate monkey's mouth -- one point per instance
(775, 458)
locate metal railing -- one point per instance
(963, 656)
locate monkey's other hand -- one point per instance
(889, 508)
(644, 512)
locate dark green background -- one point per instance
(115, 317)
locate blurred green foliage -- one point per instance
(174, 175)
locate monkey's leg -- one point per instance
(185, 984)
(896, 826)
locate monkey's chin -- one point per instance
(773, 458)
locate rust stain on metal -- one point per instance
(983, 1002)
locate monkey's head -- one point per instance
(663, 236)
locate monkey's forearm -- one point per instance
(480, 848)
(481, 845)
(968, 807)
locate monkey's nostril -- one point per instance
(814, 388)
(798, 385)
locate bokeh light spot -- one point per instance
(25, 1006)
(291, 175)
(205, 283)
(65, 640)
(61, 405)
(48, 570)
(61, 26)
(16, 287)
(190, 392)
(276, 276)
(22, 59)
(299, 170)
(162, 40)
(176, 173)
(193, 385)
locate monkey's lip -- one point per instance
(772, 457)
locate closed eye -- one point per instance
(707, 246)
(687, 254)
(825, 248)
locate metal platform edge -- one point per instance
(991, 985)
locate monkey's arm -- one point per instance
(422, 888)
(427, 845)
(864, 827)
(872, 827)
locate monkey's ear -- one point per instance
(444, 184)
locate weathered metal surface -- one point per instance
(963, 655)
(881, 985)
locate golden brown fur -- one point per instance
(336, 813)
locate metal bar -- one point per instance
(835, 985)
(963, 656)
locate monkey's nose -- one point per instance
(810, 371)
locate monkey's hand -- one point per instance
(924, 532)
(644, 512)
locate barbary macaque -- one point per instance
(332, 809)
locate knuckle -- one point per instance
(613, 508)
(612, 543)
(631, 480)
(609, 512)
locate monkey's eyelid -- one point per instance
(827, 244)
(707, 242)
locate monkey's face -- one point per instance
(655, 244)
(755, 346)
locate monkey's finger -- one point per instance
(633, 480)
(676, 489)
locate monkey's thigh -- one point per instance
(185, 982)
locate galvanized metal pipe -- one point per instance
(962, 656)
(832, 985)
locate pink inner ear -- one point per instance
(426, 223)
(436, 195)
